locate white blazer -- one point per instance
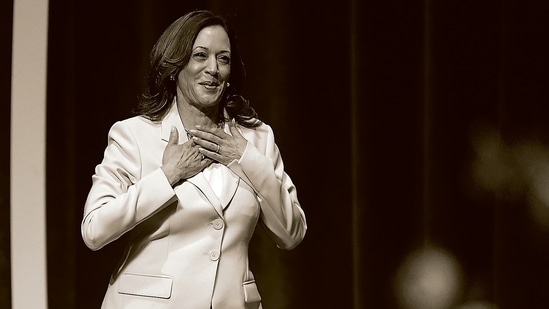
(188, 244)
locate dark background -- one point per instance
(385, 113)
(6, 7)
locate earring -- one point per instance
(228, 85)
(172, 78)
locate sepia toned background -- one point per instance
(415, 131)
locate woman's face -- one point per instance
(202, 81)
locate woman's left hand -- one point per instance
(218, 145)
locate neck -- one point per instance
(191, 115)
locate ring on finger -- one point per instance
(217, 150)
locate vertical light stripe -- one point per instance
(28, 157)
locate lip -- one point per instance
(210, 85)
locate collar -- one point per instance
(172, 119)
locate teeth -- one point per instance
(210, 84)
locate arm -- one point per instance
(281, 212)
(120, 197)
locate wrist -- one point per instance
(171, 177)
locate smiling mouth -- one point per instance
(211, 85)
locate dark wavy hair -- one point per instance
(170, 55)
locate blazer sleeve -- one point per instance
(263, 169)
(120, 197)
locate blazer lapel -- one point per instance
(230, 185)
(228, 188)
(230, 179)
(200, 182)
(172, 119)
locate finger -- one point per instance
(200, 142)
(208, 144)
(211, 134)
(210, 154)
(174, 136)
(205, 162)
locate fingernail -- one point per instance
(198, 126)
(192, 131)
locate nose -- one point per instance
(212, 67)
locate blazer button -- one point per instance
(218, 224)
(214, 255)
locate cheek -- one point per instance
(184, 85)
(189, 72)
(185, 80)
(225, 72)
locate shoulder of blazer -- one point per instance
(261, 137)
(138, 126)
(259, 132)
(140, 121)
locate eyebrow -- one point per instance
(223, 51)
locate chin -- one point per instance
(210, 101)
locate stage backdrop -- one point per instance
(6, 7)
(414, 130)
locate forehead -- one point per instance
(213, 37)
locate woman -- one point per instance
(188, 180)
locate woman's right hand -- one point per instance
(182, 161)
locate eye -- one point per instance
(200, 56)
(225, 59)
